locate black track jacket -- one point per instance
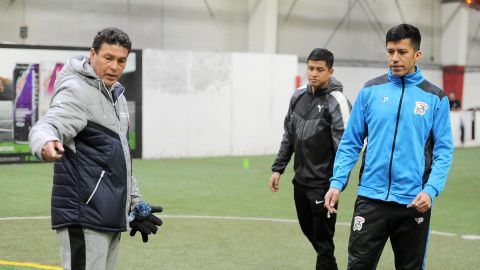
(313, 128)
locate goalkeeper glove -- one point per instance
(144, 221)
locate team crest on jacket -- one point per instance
(358, 223)
(420, 108)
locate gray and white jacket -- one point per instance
(93, 186)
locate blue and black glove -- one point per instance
(144, 221)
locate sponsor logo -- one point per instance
(318, 202)
(319, 108)
(420, 108)
(358, 223)
(384, 99)
(419, 220)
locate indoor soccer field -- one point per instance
(219, 214)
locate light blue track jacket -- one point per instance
(405, 124)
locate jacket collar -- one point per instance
(117, 91)
(410, 79)
(317, 93)
(333, 85)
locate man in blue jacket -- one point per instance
(404, 121)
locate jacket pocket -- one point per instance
(96, 186)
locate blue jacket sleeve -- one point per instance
(350, 145)
(442, 150)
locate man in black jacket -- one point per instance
(314, 124)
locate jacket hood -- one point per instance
(79, 66)
(334, 85)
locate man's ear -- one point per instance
(93, 54)
(418, 55)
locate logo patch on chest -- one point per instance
(319, 108)
(384, 99)
(420, 108)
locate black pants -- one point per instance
(374, 222)
(316, 224)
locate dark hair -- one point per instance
(319, 54)
(404, 31)
(111, 36)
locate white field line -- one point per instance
(284, 220)
(471, 237)
(23, 218)
(443, 233)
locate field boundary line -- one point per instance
(24, 218)
(280, 220)
(31, 265)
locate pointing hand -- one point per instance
(52, 151)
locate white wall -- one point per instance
(213, 104)
(353, 78)
(473, 49)
(172, 24)
(222, 25)
(465, 119)
(355, 30)
(471, 90)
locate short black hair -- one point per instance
(404, 31)
(111, 36)
(319, 54)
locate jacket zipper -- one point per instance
(127, 207)
(395, 138)
(306, 111)
(115, 109)
(95, 189)
(113, 103)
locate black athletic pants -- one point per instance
(316, 224)
(374, 222)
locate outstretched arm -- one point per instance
(66, 117)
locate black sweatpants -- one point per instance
(316, 224)
(374, 222)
